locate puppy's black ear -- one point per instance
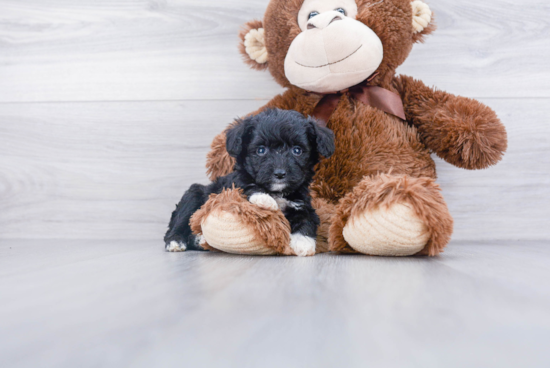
(324, 139)
(235, 136)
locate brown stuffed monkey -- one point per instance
(377, 194)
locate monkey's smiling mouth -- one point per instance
(335, 62)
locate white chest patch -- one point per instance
(284, 203)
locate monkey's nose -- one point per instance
(279, 174)
(323, 20)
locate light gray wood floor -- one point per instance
(129, 304)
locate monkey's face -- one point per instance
(330, 45)
(334, 51)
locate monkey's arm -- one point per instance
(218, 161)
(460, 130)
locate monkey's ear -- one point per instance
(235, 136)
(323, 138)
(422, 21)
(252, 45)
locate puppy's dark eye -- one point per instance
(261, 151)
(341, 10)
(297, 151)
(312, 14)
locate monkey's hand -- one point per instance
(264, 201)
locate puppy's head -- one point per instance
(278, 149)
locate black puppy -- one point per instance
(276, 151)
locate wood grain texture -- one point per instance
(160, 78)
(103, 170)
(115, 170)
(130, 304)
(55, 50)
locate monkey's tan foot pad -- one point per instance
(387, 231)
(226, 232)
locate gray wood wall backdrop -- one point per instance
(108, 107)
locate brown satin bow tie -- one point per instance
(374, 96)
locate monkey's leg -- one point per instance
(388, 215)
(231, 224)
(325, 211)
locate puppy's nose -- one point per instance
(279, 174)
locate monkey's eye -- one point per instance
(312, 14)
(261, 151)
(341, 10)
(297, 151)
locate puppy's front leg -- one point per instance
(303, 223)
(302, 245)
(263, 200)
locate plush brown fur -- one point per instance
(269, 225)
(218, 164)
(370, 144)
(422, 194)
(460, 130)
(325, 211)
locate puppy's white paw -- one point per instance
(175, 246)
(264, 200)
(302, 245)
